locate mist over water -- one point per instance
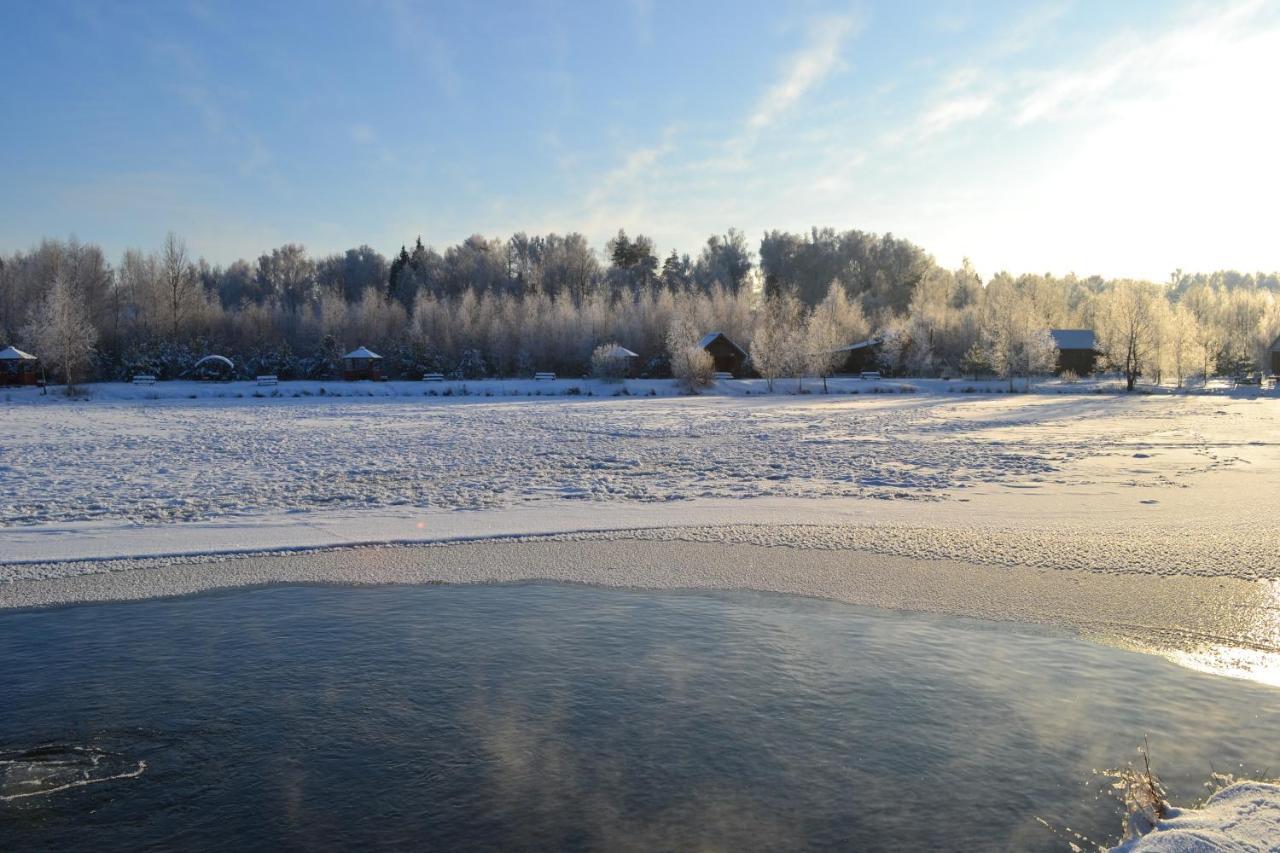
(534, 716)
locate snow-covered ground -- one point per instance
(124, 456)
(1244, 818)
(1101, 482)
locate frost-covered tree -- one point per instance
(1183, 350)
(835, 322)
(1014, 341)
(1127, 328)
(62, 332)
(609, 363)
(780, 347)
(691, 365)
(182, 292)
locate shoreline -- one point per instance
(1220, 624)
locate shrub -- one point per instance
(608, 364)
(693, 367)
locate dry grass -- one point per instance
(1142, 793)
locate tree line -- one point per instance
(508, 307)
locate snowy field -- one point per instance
(123, 455)
(1155, 485)
(1077, 480)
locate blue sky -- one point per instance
(1118, 138)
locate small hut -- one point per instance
(728, 356)
(623, 356)
(859, 357)
(360, 364)
(213, 368)
(1273, 357)
(18, 367)
(1077, 350)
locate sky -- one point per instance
(1125, 139)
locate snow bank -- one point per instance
(1244, 817)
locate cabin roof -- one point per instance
(622, 352)
(1073, 338)
(710, 337)
(1275, 345)
(362, 352)
(15, 354)
(869, 342)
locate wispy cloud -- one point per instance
(420, 38)
(628, 182)
(805, 70)
(642, 14)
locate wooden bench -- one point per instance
(544, 377)
(433, 377)
(721, 374)
(268, 380)
(870, 375)
(144, 379)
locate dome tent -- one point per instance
(213, 368)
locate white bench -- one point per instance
(870, 375)
(268, 380)
(433, 377)
(144, 379)
(720, 374)
(544, 377)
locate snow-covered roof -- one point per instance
(15, 354)
(1275, 345)
(869, 342)
(362, 353)
(710, 338)
(622, 352)
(221, 359)
(1073, 338)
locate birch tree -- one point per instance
(62, 332)
(1014, 341)
(1127, 328)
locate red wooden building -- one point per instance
(18, 367)
(728, 356)
(361, 364)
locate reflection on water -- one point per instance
(51, 768)
(1261, 625)
(1230, 661)
(563, 717)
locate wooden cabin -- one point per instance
(361, 363)
(1273, 357)
(18, 367)
(728, 356)
(860, 357)
(1077, 350)
(625, 356)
